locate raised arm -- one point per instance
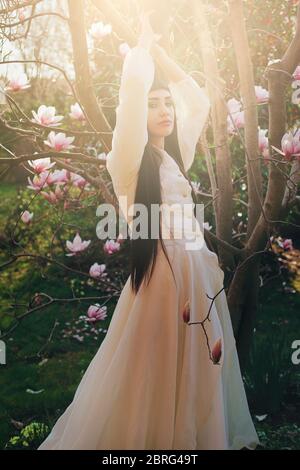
(192, 104)
(130, 134)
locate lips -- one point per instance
(165, 123)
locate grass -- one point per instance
(275, 379)
(34, 363)
(43, 366)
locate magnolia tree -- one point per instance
(67, 152)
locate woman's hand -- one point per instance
(147, 36)
(148, 39)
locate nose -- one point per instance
(164, 111)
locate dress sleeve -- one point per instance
(130, 134)
(192, 107)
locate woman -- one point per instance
(156, 381)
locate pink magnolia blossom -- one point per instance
(46, 116)
(235, 115)
(262, 139)
(97, 270)
(39, 181)
(111, 246)
(290, 145)
(124, 48)
(99, 30)
(46, 178)
(238, 122)
(50, 197)
(20, 82)
(288, 244)
(217, 351)
(233, 106)
(262, 95)
(78, 180)
(296, 73)
(60, 176)
(76, 112)
(41, 164)
(77, 246)
(59, 141)
(186, 312)
(26, 217)
(54, 197)
(96, 312)
(263, 144)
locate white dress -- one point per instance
(152, 384)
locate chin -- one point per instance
(169, 131)
(162, 132)
(165, 132)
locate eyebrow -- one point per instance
(156, 99)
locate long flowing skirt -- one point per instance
(152, 383)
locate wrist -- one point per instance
(158, 52)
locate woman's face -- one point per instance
(161, 113)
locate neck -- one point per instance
(158, 142)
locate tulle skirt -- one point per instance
(154, 383)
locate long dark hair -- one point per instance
(148, 191)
